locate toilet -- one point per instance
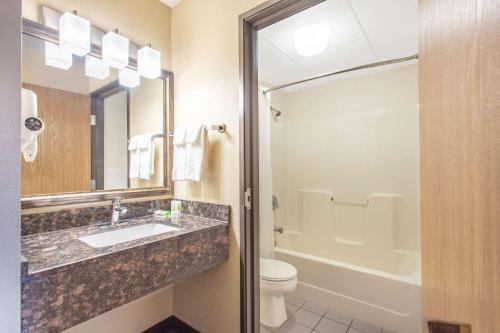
(277, 278)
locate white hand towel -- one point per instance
(180, 151)
(189, 158)
(179, 137)
(146, 156)
(193, 134)
(134, 158)
(142, 156)
(179, 162)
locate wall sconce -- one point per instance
(129, 78)
(56, 57)
(96, 68)
(74, 34)
(115, 50)
(149, 62)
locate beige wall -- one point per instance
(144, 22)
(205, 61)
(133, 317)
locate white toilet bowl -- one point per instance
(277, 278)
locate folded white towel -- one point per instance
(193, 134)
(132, 144)
(189, 158)
(146, 156)
(143, 141)
(142, 156)
(179, 136)
(134, 158)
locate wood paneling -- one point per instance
(460, 161)
(63, 160)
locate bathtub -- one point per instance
(388, 297)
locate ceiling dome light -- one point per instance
(311, 40)
(74, 34)
(115, 50)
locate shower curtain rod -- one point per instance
(376, 64)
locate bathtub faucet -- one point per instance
(275, 202)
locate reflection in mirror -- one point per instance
(98, 135)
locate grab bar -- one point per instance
(350, 203)
(278, 229)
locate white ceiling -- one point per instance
(171, 3)
(361, 32)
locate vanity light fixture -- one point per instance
(74, 34)
(129, 78)
(311, 40)
(115, 49)
(56, 57)
(96, 68)
(149, 62)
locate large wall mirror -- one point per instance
(100, 139)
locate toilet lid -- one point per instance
(275, 270)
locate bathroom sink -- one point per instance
(114, 237)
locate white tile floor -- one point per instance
(307, 317)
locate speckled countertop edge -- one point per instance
(58, 250)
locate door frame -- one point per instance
(97, 131)
(250, 22)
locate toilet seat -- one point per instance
(276, 270)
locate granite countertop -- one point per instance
(59, 249)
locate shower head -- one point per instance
(276, 112)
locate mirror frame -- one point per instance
(45, 33)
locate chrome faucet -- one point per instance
(118, 210)
(276, 205)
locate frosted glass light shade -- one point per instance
(56, 57)
(311, 40)
(115, 50)
(129, 78)
(74, 34)
(149, 62)
(96, 68)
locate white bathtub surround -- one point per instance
(265, 176)
(353, 138)
(346, 172)
(358, 232)
(389, 300)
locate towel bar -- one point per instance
(221, 128)
(350, 203)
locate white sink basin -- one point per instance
(109, 238)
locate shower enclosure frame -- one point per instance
(250, 23)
